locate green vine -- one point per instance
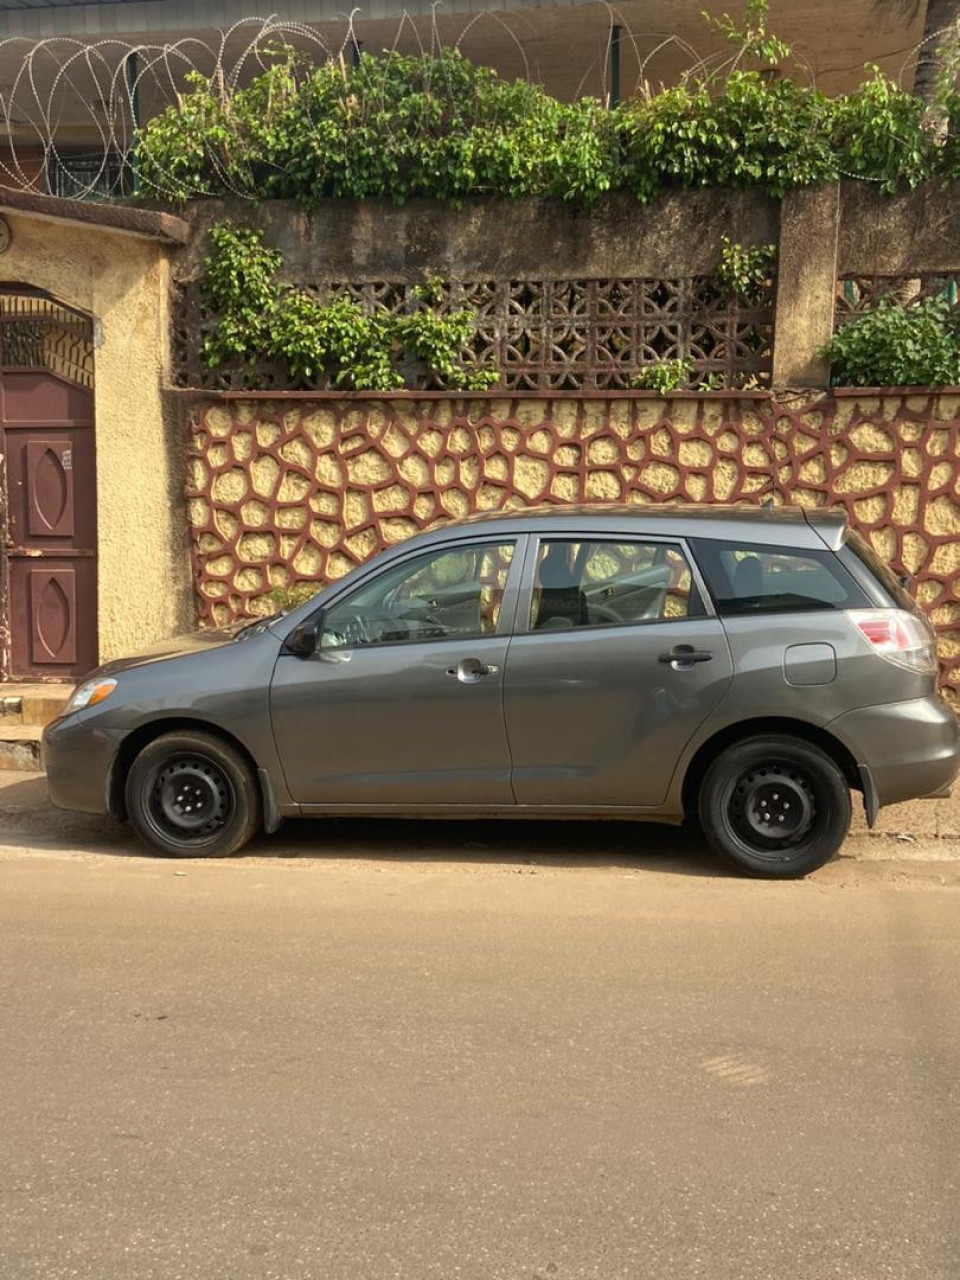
(437, 126)
(261, 317)
(745, 274)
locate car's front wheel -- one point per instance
(776, 807)
(190, 795)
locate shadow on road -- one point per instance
(28, 821)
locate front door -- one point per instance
(48, 531)
(401, 704)
(618, 666)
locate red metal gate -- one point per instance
(49, 529)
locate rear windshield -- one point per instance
(749, 578)
(878, 570)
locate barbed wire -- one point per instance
(70, 115)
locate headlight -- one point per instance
(89, 694)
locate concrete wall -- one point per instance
(302, 489)
(822, 232)
(363, 240)
(123, 281)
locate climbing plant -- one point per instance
(437, 126)
(259, 316)
(745, 273)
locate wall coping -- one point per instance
(207, 393)
(845, 392)
(146, 224)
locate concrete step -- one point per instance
(20, 747)
(31, 704)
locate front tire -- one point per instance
(190, 795)
(775, 807)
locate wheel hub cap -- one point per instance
(773, 807)
(191, 797)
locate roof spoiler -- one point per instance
(830, 526)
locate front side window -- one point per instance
(454, 591)
(604, 583)
(751, 578)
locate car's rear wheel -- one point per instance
(776, 807)
(190, 795)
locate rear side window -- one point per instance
(606, 583)
(749, 578)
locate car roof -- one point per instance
(782, 526)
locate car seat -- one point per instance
(560, 602)
(747, 582)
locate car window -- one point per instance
(603, 583)
(454, 591)
(878, 570)
(752, 578)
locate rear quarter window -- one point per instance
(747, 578)
(863, 560)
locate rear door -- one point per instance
(616, 662)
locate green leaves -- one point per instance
(667, 375)
(751, 35)
(898, 346)
(878, 133)
(750, 133)
(745, 273)
(439, 127)
(261, 317)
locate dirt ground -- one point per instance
(917, 842)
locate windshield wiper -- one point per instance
(257, 625)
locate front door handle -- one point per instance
(469, 670)
(682, 656)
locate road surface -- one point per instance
(452, 1063)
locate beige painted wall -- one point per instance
(144, 570)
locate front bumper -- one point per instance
(912, 749)
(78, 758)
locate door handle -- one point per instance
(682, 656)
(469, 670)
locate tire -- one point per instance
(774, 784)
(179, 768)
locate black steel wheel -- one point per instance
(190, 795)
(776, 807)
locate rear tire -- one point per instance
(775, 807)
(190, 795)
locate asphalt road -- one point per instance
(354, 1067)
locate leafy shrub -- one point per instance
(751, 133)
(392, 126)
(897, 346)
(440, 127)
(878, 133)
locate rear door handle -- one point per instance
(469, 670)
(682, 656)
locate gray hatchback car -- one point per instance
(751, 667)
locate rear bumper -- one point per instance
(912, 749)
(77, 758)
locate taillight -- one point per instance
(902, 638)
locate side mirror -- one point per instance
(302, 642)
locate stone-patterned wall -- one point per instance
(290, 490)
